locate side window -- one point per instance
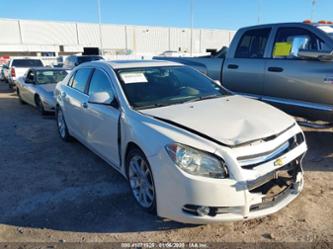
(253, 43)
(81, 78)
(30, 76)
(289, 41)
(71, 80)
(99, 83)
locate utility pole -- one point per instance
(259, 11)
(314, 2)
(100, 26)
(191, 46)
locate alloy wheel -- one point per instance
(141, 181)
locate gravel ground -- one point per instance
(53, 191)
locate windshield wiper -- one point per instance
(213, 96)
(150, 106)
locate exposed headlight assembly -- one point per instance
(197, 162)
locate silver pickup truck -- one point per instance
(289, 65)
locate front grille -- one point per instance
(251, 161)
(276, 186)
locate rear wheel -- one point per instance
(141, 180)
(62, 127)
(39, 105)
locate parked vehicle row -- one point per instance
(37, 87)
(35, 83)
(289, 65)
(191, 150)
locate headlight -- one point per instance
(197, 162)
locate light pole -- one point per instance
(100, 26)
(313, 9)
(259, 11)
(191, 46)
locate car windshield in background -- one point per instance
(50, 76)
(89, 58)
(162, 86)
(27, 63)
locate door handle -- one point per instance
(275, 69)
(233, 66)
(84, 105)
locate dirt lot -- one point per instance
(53, 191)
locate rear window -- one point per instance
(50, 76)
(27, 63)
(253, 43)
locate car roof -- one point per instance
(92, 55)
(280, 24)
(122, 64)
(48, 69)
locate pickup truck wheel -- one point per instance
(39, 105)
(62, 127)
(141, 180)
(19, 96)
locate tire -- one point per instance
(39, 105)
(19, 96)
(61, 125)
(140, 179)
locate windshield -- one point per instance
(27, 63)
(50, 76)
(162, 86)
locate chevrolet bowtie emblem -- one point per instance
(278, 162)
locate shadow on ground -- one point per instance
(47, 183)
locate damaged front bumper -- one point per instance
(251, 193)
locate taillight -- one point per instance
(12, 72)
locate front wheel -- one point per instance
(40, 107)
(141, 180)
(19, 96)
(62, 127)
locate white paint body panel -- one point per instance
(230, 120)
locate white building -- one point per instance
(27, 37)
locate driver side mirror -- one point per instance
(101, 98)
(316, 55)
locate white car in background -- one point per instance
(37, 87)
(191, 151)
(17, 67)
(172, 53)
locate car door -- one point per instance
(75, 99)
(25, 86)
(243, 70)
(102, 121)
(30, 87)
(293, 83)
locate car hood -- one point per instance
(231, 120)
(48, 88)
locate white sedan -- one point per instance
(191, 151)
(37, 86)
